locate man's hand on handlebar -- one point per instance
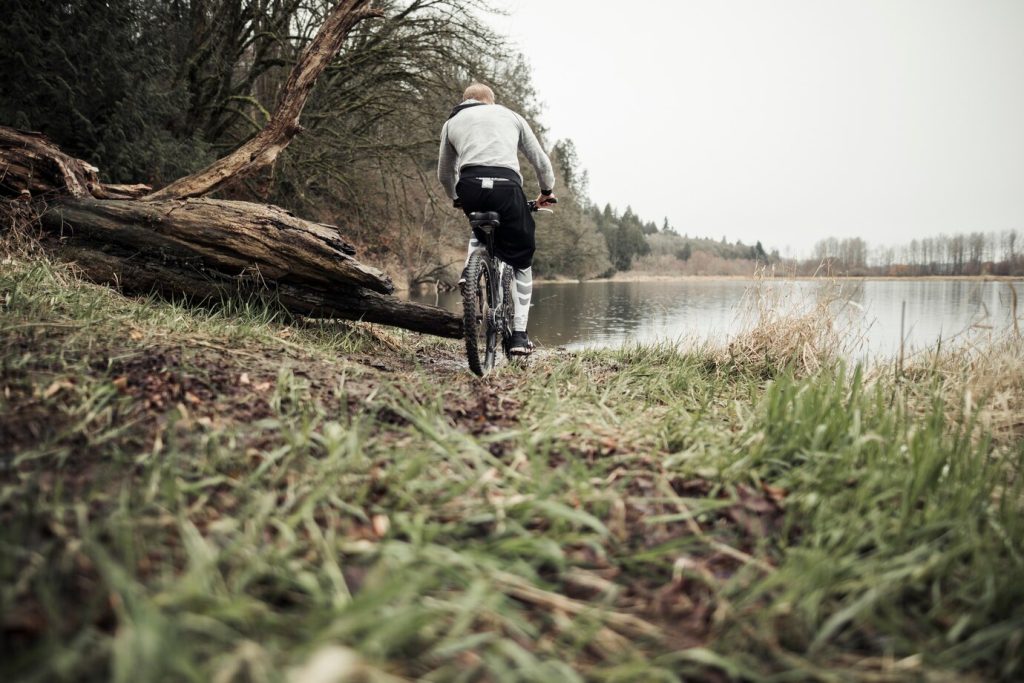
(543, 201)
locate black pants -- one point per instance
(514, 242)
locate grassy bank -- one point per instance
(227, 495)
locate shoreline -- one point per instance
(653, 277)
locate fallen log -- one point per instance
(31, 165)
(207, 249)
(202, 249)
(236, 238)
(201, 285)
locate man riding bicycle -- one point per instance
(478, 166)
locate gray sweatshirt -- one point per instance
(489, 135)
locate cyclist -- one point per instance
(478, 166)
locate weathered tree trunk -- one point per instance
(236, 238)
(203, 249)
(200, 284)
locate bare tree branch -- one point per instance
(264, 148)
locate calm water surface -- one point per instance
(616, 313)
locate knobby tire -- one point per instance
(475, 308)
(508, 311)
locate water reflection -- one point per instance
(615, 313)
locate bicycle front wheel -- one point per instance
(507, 316)
(478, 322)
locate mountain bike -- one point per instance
(487, 306)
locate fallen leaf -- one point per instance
(262, 386)
(121, 382)
(244, 379)
(192, 398)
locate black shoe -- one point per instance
(521, 344)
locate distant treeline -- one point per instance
(975, 253)
(664, 251)
(643, 246)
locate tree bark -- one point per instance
(203, 285)
(238, 238)
(264, 148)
(32, 165)
(209, 250)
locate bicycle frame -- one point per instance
(499, 270)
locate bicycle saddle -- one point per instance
(480, 219)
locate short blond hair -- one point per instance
(479, 92)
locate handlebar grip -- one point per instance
(533, 204)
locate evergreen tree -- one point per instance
(96, 76)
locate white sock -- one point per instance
(521, 298)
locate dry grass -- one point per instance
(20, 230)
(790, 327)
(981, 379)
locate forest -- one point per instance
(149, 90)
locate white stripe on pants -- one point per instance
(521, 295)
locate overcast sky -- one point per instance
(789, 120)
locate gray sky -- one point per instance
(789, 120)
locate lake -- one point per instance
(609, 314)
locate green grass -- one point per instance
(226, 494)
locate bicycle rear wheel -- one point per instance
(478, 324)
